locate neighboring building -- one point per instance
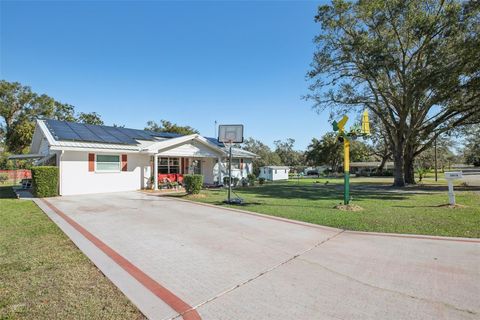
(96, 159)
(368, 167)
(273, 173)
(310, 171)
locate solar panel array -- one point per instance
(215, 141)
(72, 131)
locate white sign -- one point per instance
(453, 175)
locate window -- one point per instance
(174, 164)
(235, 164)
(108, 163)
(169, 165)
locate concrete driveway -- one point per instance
(176, 259)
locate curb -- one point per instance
(353, 232)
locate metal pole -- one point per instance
(155, 172)
(230, 174)
(436, 171)
(346, 171)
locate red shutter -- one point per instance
(124, 162)
(91, 162)
(241, 164)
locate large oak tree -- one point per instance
(20, 107)
(414, 64)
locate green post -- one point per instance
(346, 188)
(346, 171)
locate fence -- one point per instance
(18, 174)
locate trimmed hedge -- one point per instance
(193, 183)
(45, 181)
(251, 179)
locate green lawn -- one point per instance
(44, 276)
(417, 210)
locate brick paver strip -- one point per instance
(177, 304)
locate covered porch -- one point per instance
(192, 154)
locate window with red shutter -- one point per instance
(91, 162)
(124, 162)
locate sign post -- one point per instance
(450, 176)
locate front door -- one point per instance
(197, 166)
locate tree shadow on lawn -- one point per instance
(316, 193)
(6, 192)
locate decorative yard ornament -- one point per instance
(345, 138)
(365, 123)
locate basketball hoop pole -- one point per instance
(230, 174)
(228, 134)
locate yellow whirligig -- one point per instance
(365, 123)
(341, 123)
(345, 137)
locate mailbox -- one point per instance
(450, 176)
(453, 175)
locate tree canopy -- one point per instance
(471, 152)
(414, 64)
(20, 107)
(328, 151)
(287, 154)
(90, 118)
(167, 126)
(266, 155)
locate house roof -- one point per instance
(63, 135)
(276, 167)
(80, 132)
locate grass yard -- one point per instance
(417, 210)
(43, 275)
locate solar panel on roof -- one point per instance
(119, 134)
(62, 131)
(84, 133)
(71, 131)
(106, 136)
(137, 134)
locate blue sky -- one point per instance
(188, 62)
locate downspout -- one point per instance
(155, 171)
(60, 172)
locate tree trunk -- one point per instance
(409, 170)
(382, 165)
(408, 165)
(398, 166)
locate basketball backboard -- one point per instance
(230, 133)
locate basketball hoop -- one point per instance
(228, 135)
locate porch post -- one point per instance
(155, 172)
(220, 171)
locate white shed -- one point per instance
(273, 173)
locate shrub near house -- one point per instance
(45, 181)
(193, 183)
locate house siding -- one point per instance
(76, 178)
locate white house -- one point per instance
(95, 159)
(273, 173)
